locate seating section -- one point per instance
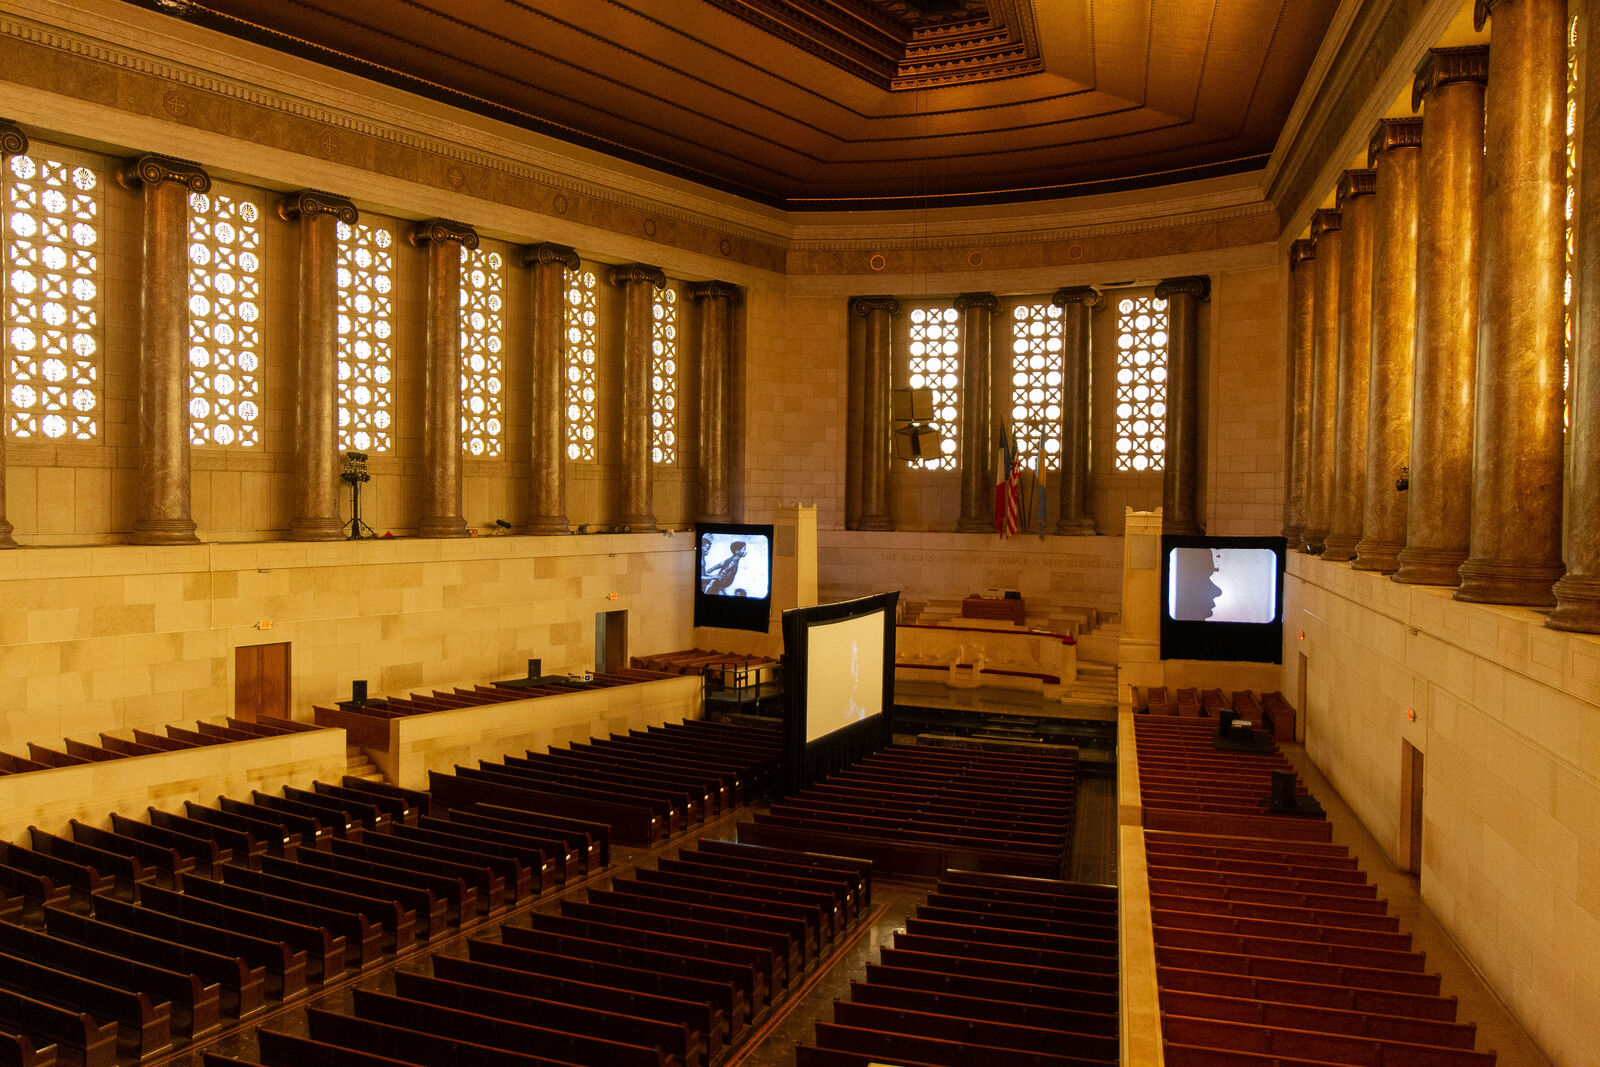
(919, 810)
(992, 969)
(705, 661)
(1269, 708)
(648, 785)
(74, 752)
(1271, 945)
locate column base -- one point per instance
(1429, 566)
(1291, 534)
(1181, 526)
(1312, 540)
(1381, 556)
(316, 530)
(548, 524)
(5, 536)
(164, 532)
(1340, 547)
(645, 523)
(1488, 581)
(975, 526)
(442, 526)
(876, 523)
(719, 516)
(1577, 606)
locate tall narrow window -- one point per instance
(1571, 245)
(1141, 383)
(224, 320)
(664, 377)
(582, 348)
(52, 332)
(934, 352)
(482, 358)
(1036, 383)
(366, 322)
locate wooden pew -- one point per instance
(365, 811)
(147, 1022)
(429, 909)
(322, 950)
(196, 849)
(361, 1036)
(1005, 970)
(1431, 1032)
(307, 827)
(556, 861)
(1304, 1044)
(18, 1050)
(88, 1041)
(396, 922)
(810, 926)
(896, 1048)
(499, 880)
(592, 851)
(279, 839)
(631, 823)
(959, 983)
(284, 965)
(243, 845)
(410, 800)
(1286, 991)
(338, 938)
(27, 886)
(61, 872)
(983, 1032)
(768, 953)
(525, 870)
(1064, 1020)
(151, 856)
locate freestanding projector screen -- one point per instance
(733, 576)
(844, 676)
(1222, 598)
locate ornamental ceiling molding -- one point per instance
(513, 159)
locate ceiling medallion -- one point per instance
(1074, 253)
(175, 104)
(975, 259)
(877, 262)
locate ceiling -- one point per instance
(841, 104)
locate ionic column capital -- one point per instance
(985, 301)
(546, 253)
(1195, 285)
(13, 142)
(1441, 66)
(1085, 295)
(141, 171)
(636, 273)
(866, 305)
(1356, 182)
(438, 231)
(1391, 134)
(715, 290)
(310, 202)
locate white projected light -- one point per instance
(1222, 585)
(844, 674)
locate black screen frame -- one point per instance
(1244, 642)
(733, 612)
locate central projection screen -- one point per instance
(844, 679)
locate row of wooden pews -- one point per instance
(992, 969)
(1271, 945)
(1269, 708)
(673, 968)
(74, 753)
(648, 785)
(919, 810)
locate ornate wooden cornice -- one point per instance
(986, 301)
(1354, 183)
(1391, 134)
(547, 253)
(1325, 220)
(308, 202)
(864, 305)
(437, 231)
(1302, 251)
(715, 290)
(13, 142)
(1195, 285)
(141, 171)
(1086, 295)
(1441, 66)
(629, 273)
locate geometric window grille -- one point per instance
(482, 352)
(935, 364)
(1571, 244)
(1141, 383)
(52, 299)
(1036, 383)
(664, 377)
(582, 353)
(366, 323)
(224, 320)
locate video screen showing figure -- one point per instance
(735, 565)
(1222, 585)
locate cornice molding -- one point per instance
(13, 142)
(1083, 295)
(637, 273)
(141, 171)
(309, 202)
(547, 253)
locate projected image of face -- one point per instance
(1222, 585)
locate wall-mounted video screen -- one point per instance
(1222, 598)
(733, 575)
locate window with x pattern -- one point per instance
(482, 355)
(1140, 437)
(224, 320)
(664, 377)
(1036, 354)
(934, 363)
(366, 323)
(582, 354)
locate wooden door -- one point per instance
(261, 681)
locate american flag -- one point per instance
(1007, 489)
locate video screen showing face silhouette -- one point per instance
(735, 565)
(1222, 585)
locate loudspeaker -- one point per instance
(358, 691)
(1282, 797)
(535, 668)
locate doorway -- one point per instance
(1410, 845)
(610, 641)
(261, 682)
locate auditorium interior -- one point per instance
(380, 376)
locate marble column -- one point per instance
(1394, 154)
(1449, 89)
(879, 311)
(315, 487)
(163, 505)
(1074, 514)
(1515, 553)
(1327, 236)
(13, 142)
(715, 434)
(638, 283)
(1297, 422)
(440, 504)
(1180, 478)
(547, 459)
(977, 412)
(1356, 206)
(1578, 592)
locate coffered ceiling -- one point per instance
(839, 104)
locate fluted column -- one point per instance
(1578, 592)
(879, 311)
(1324, 377)
(547, 460)
(315, 487)
(1394, 155)
(1355, 342)
(1180, 478)
(1449, 88)
(977, 412)
(13, 142)
(1515, 554)
(716, 369)
(638, 283)
(164, 484)
(440, 505)
(1297, 423)
(1074, 514)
